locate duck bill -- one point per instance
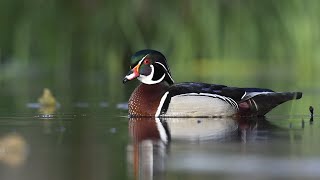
(133, 73)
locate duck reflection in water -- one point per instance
(151, 138)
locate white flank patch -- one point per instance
(203, 104)
(164, 97)
(226, 99)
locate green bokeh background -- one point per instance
(271, 44)
(80, 49)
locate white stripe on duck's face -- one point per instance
(166, 70)
(201, 105)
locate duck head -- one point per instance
(149, 67)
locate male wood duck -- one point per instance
(159, 96)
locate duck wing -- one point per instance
(203, 88)
(249, 101)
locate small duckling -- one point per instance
(47, 99)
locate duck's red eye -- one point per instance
(146, 61)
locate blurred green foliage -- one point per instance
(80, 50)
(86, 31)
(238, 42)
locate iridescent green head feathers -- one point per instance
(149, 67)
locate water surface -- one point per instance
(104, 145)
(88, 135)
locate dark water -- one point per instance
(88, 135)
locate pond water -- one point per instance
(88, 135)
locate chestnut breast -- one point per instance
(145, 99)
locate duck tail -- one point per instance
(261, 104)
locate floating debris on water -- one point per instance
(311, 113)
(311, 110)
(46, 104)
(47, 99)
(33, 105)
(123, 106)
(113, 130)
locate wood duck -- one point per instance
(159, 96)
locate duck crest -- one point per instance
(145, 99)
